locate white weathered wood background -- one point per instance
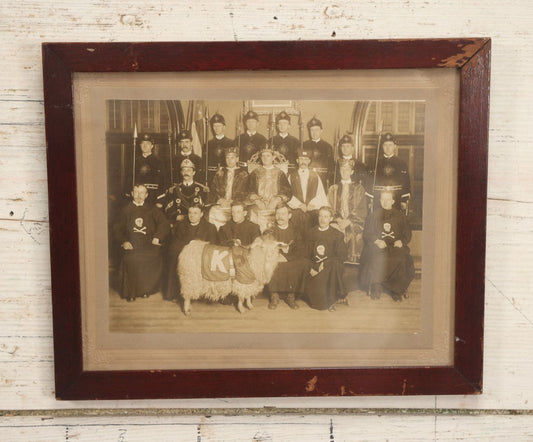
(26, 361)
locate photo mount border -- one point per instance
(470, 56)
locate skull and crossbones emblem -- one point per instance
(140, 228)
(387, 231)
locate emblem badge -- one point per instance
(139, 222)
(320, 250)
(387, 227)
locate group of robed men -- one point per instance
(319, 230)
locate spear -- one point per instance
(300, 128)
(380, 129)
(134, 143)
(206, 135)
(336, 146)
(170, 153)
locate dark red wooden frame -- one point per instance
(471, 56)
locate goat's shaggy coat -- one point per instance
(262, 259)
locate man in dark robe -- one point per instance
(186, 230)
(289, 277)
(386, 262)
(230, 182)
(250, 141)
(327, 251)
(149, 169)
(285, 143)
(185, 145)
(321, 152)
(216, 147)
(268, 184)
(176, 201)
(308, 193)
(346, 153)
(238, 231)
(391, 175)
(348, 201)
(140, 231)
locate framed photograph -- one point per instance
(263, 219)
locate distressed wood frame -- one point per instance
(471, 56)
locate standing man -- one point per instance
(348, 201)
(346, 153)
(148, 168)
(289, 277)
(140, 231)
(308, 193)
(284, 142)
(194, 226)
(327, 251)
(268, 184)
(386, 263)
(391, 174)
(186, 153)
(216, 146)
(250, 141)
(238, 231)
(230, 182)
(176, 201)
(321, 152)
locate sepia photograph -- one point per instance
(253, 220)
(259, 215)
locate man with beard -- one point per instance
(268, 184)
(176, 201)
(238, 231)
(348, 201)
(186, 230)
(327, 252)
(186, 153)
(285, 143)
(250, 141)
(321, 152)
(140, 230)
(386, 262)
(308, 193)
(289, 277)
(216, 146)
(148, 168)
(391, 174)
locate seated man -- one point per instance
(238, 231)
(192, 227)
(176, 201)
(289, 276)
(386, 263)
(348, 201)
(140, 230)
(327, 251)
(308, 193)
(230, 182)
(268, 184)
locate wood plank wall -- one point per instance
(503, 411)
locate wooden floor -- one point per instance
(361, 315)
